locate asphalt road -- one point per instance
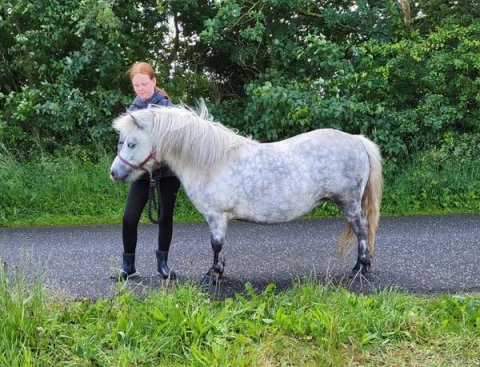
(424, 254)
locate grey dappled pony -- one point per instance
(227, 176)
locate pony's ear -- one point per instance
(141, 124)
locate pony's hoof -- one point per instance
(210, 279)
(360, 270)
(365, 269)
(207, 281)
(218, 269)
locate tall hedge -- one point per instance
(404, 73)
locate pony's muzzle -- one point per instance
(115, 176)
(118, 171)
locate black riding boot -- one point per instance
(162, 268)
(128, 267)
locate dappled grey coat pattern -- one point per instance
(228, 176)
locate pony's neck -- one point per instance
(190, 143)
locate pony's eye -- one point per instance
(131, 145)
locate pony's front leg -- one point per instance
(218, 228)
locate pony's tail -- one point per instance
(371, 200)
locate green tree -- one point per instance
(402, 76)
(63, 67)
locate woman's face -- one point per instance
(143, 86)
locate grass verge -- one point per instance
(308, 325)
(66, 190)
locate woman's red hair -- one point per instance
(146, 69)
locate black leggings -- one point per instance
(136, 201)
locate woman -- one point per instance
(147, 93)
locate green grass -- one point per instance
(61, 190)
(73, 190)
(308, 325)
(427, 185)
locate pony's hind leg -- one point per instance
(359, 223)
(218, 227)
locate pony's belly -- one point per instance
(273, 211)
(265, 209)
(268, 218)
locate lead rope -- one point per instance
(154, 201)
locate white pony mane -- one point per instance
(181, 132)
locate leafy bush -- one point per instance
(443, 179)
(418, 89)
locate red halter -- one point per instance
(139, 166)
